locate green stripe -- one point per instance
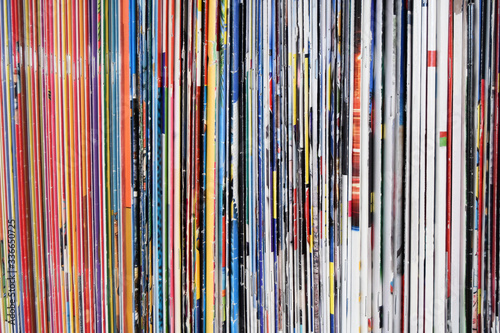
(443, 142)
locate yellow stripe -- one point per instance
(71, 171)
(311, 239)
(210, 174)
(332, 291)
(69, 162)
(479, 301)
(110, 212)
(224, 17)
(372, 200)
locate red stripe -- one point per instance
(431, 58)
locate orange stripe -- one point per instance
(128, 322)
